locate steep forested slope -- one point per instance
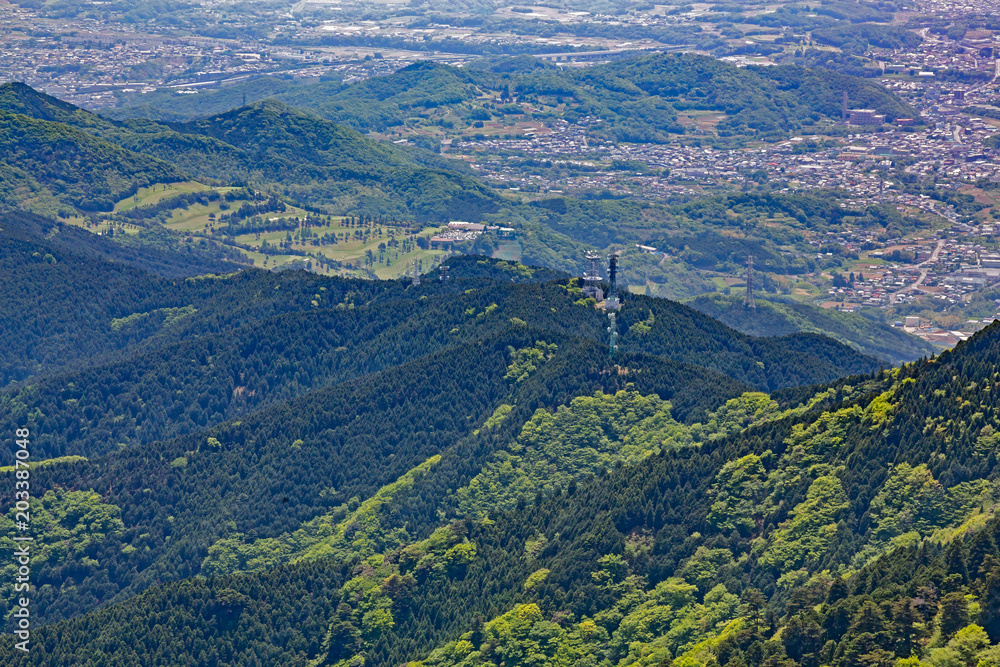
(856, 528)
(82, 171)
(312, 460)
(666, 328)
(185, 354)
(858, 535)
(239, 422)
(64, 287)
(296, 148)
(222, 374)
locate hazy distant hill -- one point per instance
(779, 318)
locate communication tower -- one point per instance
(612, 302)
(592, 278)
(444, 276)
(416, 274)
(748, 301)
(613, 275)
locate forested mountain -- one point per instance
(85, 282)
(244, 420)
(281, 157)
(636, 99)
(852, 528)
(296, 148)
(224, 374)
(20, 98)
(243, 341)
(89, 173)
(269, 145)
(232, 466)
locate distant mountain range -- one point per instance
(782, 317)
(636, 99)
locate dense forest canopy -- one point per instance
(541, 502)
(232, 423)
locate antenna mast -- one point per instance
(416, 274)
(748, 301)
(613, 275)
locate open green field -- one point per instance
(154, 193)
(387, 255)
(804, 291)
(385, 251)
(102, 226)
(196, 217)
(510, 251)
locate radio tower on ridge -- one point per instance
(592, 278)
(748, 301)
(613, 275)
(611, 300)
(416, 273)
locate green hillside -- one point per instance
(779, 318)
(72, 166)
(267, 145)
(254, 438)
(310, 192)
(20, 98)
(296, 148)
(273, 129)
(85, 282)
(289, 468)
(245, 331)
(842, 537)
